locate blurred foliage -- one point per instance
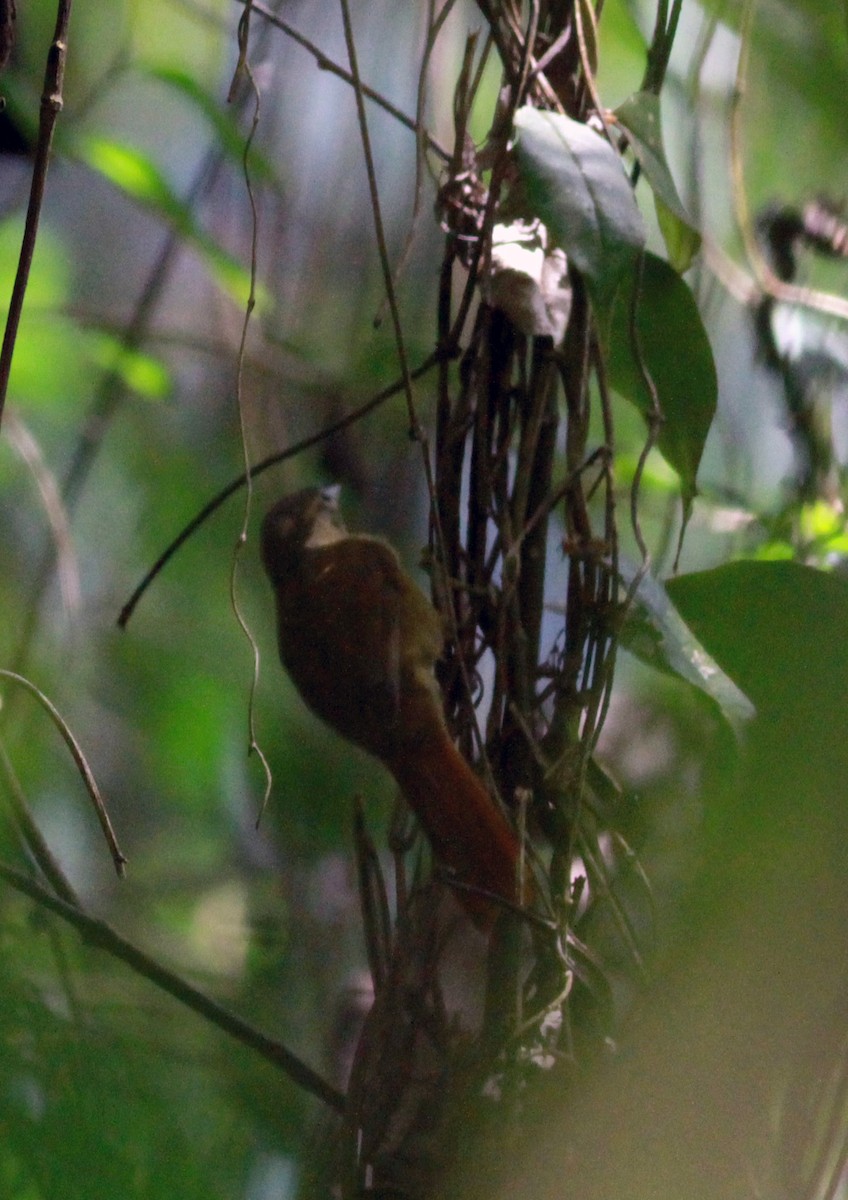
(124, 381)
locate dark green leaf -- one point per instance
(578, 188)
(779, 628)
(677, 354)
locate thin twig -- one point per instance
(243, 71)
(102, 936)
(106, 399)
(326, 64)
(599, 880)
(67, 568)
(243, 68)
(500, 166)
(272, 460)
(51, 106)
(415, 427)
(373, 900)
(588, 77)
(434, 27)
(82, 765)
(379, 229)
(662, 41)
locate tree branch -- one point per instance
(103, 937)
(51, 106)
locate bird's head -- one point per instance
(303, 521)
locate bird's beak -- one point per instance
(330, 496)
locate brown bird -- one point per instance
(360, 642)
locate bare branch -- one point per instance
(102, 936)
(82, 765)
(51, 106)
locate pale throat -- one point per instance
(326, 531)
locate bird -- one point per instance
(360, 641)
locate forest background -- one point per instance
(130, 406)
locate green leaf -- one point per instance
(656, 633)
(621, 52)
(577, 186)
(640, 116)
(677, 355)
(142, 373)
(682, 240)
(137, 175)
(778, 628)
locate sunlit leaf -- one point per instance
(821, 520)
(136, 174)
(141, 373)
(51, 368)
(677, 355)
(775, 551)
(577, 186)
(657, 476)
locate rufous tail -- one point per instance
(467, 832)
